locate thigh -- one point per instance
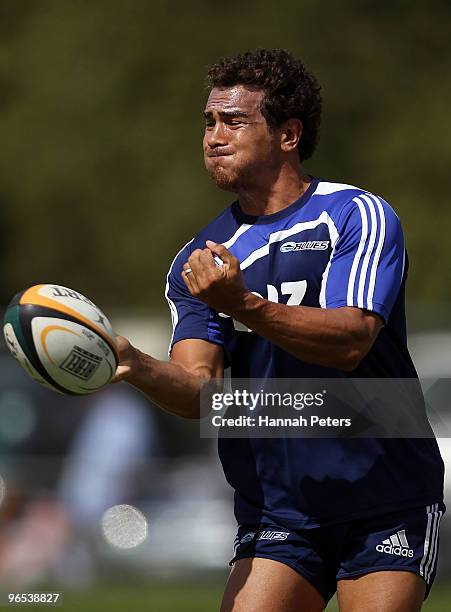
(383, 591)
(390, 560)
(265, 585)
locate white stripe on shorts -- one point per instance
(430, 550)
(434, 552)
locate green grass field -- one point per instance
(176, 597)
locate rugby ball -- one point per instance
(61, 338)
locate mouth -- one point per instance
(215, 153)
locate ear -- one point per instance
(290, 134)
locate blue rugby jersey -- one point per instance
(337, 245)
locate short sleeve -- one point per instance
(191, 318)
(367, 262)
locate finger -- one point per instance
(193, 261)
(190, 281)
(219, 249)
(187, 280)
(121, 373)
(194, 257)
(207, 261)
(210, 268)
(198, 267)
(122, 344)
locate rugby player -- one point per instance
(312, 285)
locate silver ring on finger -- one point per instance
(188, 271)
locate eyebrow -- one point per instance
(231, 113)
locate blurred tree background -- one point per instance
(101, 173)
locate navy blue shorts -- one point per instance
(405, 540)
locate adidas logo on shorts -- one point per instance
(396, 545)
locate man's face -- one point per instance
(239, 147)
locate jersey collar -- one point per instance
(241, 217)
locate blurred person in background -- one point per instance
(360, 516)
(65, 460)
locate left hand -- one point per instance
(221, 287)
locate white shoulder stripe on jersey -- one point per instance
(325, 188)
(358, 253)
(377, 255)
(295, 229)
(368, 252)
(239, 232)
(373, 228)
(172, 306)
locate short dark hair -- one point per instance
(291, 91)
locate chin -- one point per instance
(223, 180)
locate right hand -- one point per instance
(127, 359)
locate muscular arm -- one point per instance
(332, 337)
(174, 385)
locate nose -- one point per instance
(215, 136)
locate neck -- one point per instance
(278, 192)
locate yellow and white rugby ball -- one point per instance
(61, 338)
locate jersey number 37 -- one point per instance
(295, 289)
